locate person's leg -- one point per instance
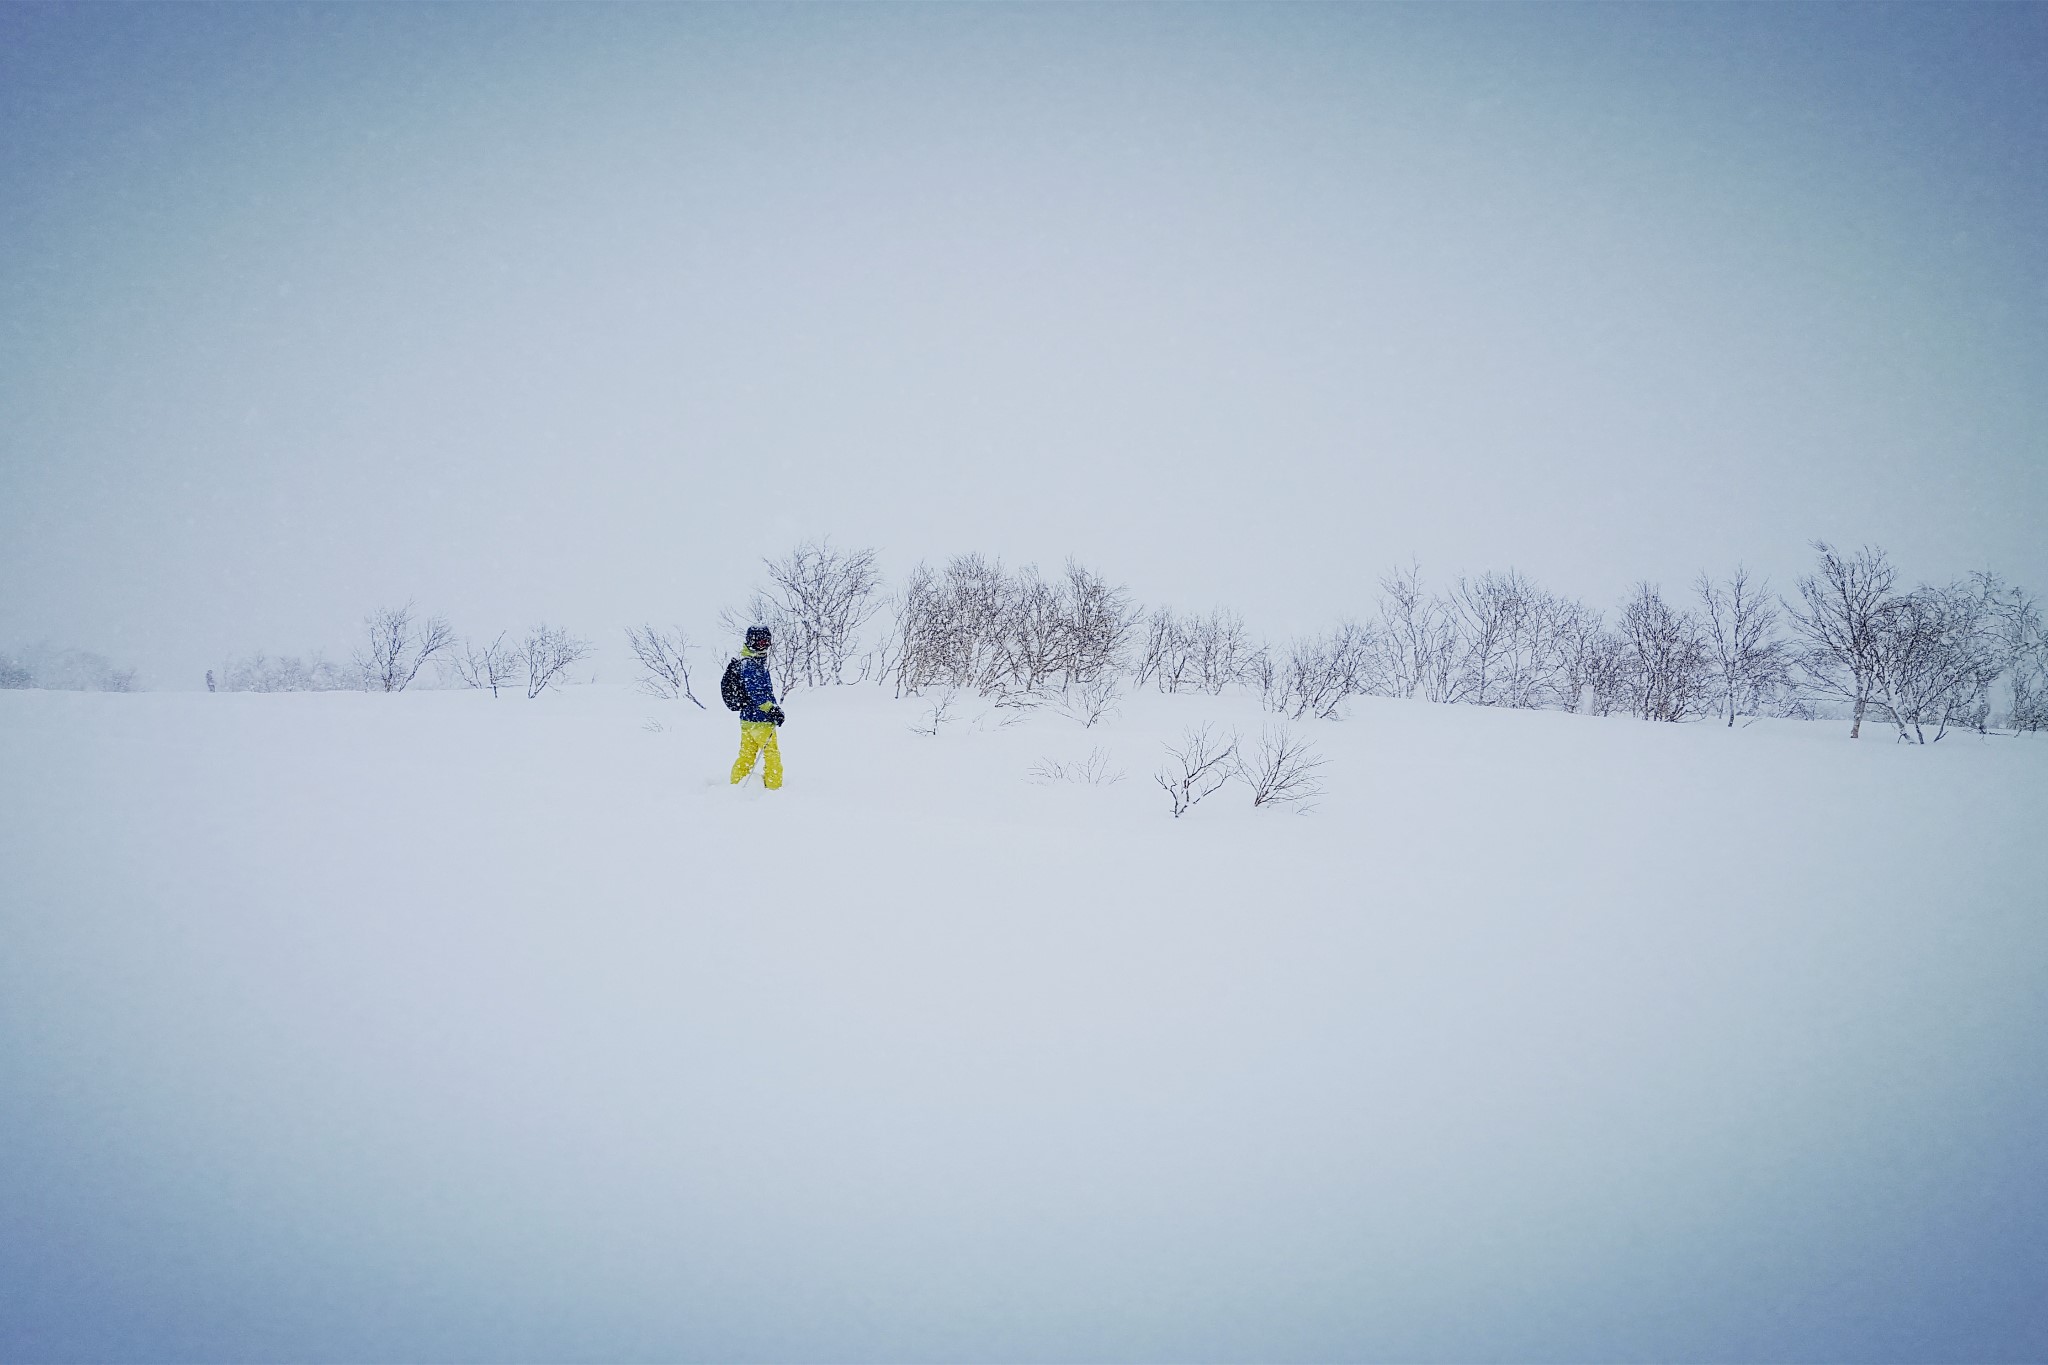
(771, 772)
(750, 745)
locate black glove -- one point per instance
(775, 716)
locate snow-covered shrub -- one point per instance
(1198, 767)
(1319, 672)
(288, 673)
(1665, 669)
(397, 645)
(1416, 640)
(1937, 653)
(2029, 709)
(1092, 701)
(1837, 620)
(491, 666)
(1928, 657)
(1094, 770)
(664, 659)
(1281, 768)
(1751, 663)
(976, 625)
(939, 713)
(63, 670)
(547, 653)
(1513, 642)
(1195, 653)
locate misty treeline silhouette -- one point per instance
(67, 670)
(1849, 640)
(398, 643)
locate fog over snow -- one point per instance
(572, 314)
(436, 1026)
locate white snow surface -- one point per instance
(433, 1026)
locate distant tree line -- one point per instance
(1968, 654)
(1927, 659)
(398, 643)
(63, 670)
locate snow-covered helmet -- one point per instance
(758, 637)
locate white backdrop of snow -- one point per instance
(426, 1026)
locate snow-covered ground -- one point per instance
(433, 1026)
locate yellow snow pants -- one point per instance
(758, 737)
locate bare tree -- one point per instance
(2026, 649)
(1840, 607)
(791, 642)
(1665, 670)
(548, 652)
(397, 646)
(1098, 620)
(1749, 660)
(491, 666)
(1195, 653)
(1588, 666)
(1160, 655)
(665, 657)
(950, 624)
(1281, 769)
(819, 598)
(1197, 768)
(1035, 644)
(1511, 638)
(1319, 672)
(1417, 639)
(973, 624)
(2029, 709)
(1935, 654)
(1262, 675)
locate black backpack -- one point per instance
(732, 688)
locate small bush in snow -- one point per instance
(665, 657)
(1092, 701)
(1281, 769)
(1198, 767)
(937, 714)
(1093, 770)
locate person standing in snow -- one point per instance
(759, 712)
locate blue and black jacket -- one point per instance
(760, 687)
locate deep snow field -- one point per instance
(433, 1026)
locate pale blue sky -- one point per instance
(575, 312)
